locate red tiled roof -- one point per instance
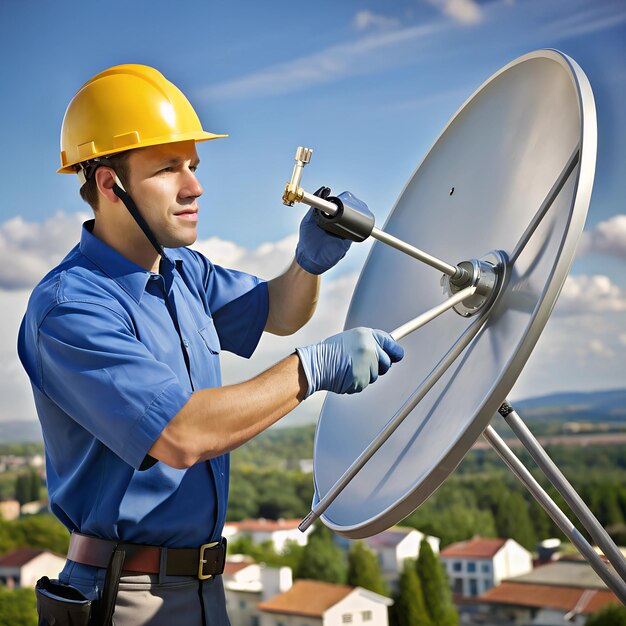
(307, 598)
(549, 596)
(475, 548)
(232, 567)
(264, 525)
(19, 557)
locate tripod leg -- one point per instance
(615, 584)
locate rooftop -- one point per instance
(19, 557)
(566, 599)
(563, 573)
(475, 548)
(264, 525)
(232, 567)
(307, 598)
(389, 538)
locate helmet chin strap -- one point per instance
(87, 171)
(129, 203)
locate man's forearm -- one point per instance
(215, 421)
(292, 300)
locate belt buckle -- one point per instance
(202, 560)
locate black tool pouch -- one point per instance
(59, 604)
(64, 605)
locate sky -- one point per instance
(368, 84)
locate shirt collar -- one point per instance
(131, 277)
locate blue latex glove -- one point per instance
(318, 250)
(350, 361)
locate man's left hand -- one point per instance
(318, 250)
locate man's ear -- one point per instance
(105, 179)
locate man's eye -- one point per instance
(193, 168)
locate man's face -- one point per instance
(164, 186)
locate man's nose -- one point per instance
(192, 187)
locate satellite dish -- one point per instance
(505, 188)
(477, 192)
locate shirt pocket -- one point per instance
(210, 338)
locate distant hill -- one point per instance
(591, 406)
(20, 431)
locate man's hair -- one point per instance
(89, 191)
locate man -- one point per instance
(121, 342)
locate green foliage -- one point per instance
(277, 448)
(610, 615)
(268, 493)
(363, 569)
(18, 607)
(437, 595)
(21, 449)
(265, 553)
(322, 559)
(34, 531)
(27, 486)
(409, 608)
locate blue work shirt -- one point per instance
(113, 353)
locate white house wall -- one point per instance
(269, 619)
(357, 604)
(45, 564)
(511, 560)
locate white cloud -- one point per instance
(583, 294)
(369, 54)
(462, 11)
(364, 20)
(29, 249)
(267, 260)
(608, 237)
(600, 16)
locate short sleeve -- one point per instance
(93, 367)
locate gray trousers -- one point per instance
(142, 600)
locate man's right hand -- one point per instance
(349, 361)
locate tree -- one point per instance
(22, 488)
(18, 607)
(35, 485)
(610, 615)
(363, 569)
(321, 558)
(408, 607)
(437, 595)
(513, 520)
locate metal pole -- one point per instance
(450, 270)
(547, 203)
(615, 584)
(389, 428)
(330, 208)
(558, 480)
(431, 314)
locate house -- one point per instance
(476, 565)
(563, 592)
(315, 603)
(394, 546)
(278, 532)
(247, 583)
(24, 566)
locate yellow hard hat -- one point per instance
(126, 107)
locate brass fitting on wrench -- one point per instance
(293, 192)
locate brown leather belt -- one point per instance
(203, 562)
